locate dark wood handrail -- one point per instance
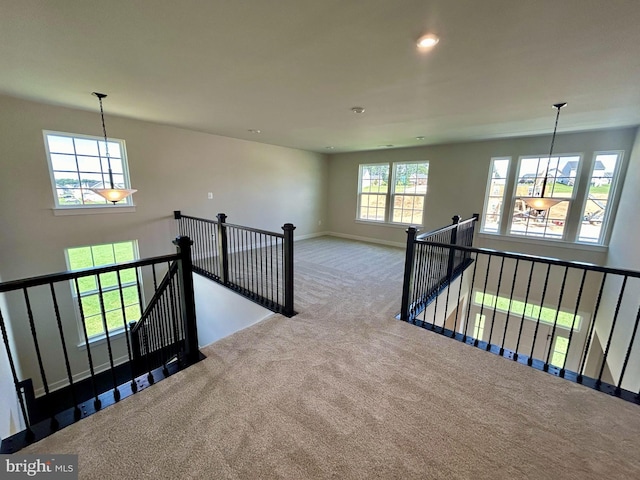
(537, 259)
(85, 272)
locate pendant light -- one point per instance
(110, 194)
(542, 203)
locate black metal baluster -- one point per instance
(271, 270)
(142, 329)
(97, 404)
(420, 280)
(506, 322)
(54, 421)
(618, 390)
(524, 312)
(29, 435)
(252, 278)
(440, 275)
(174, 315)
(495, 304)
(280, 268)
(452, 254)
(535, 333)
(484, 297)
(555, 321)
(455, 323)
(134, 387)
(613, 326)
(116, 392)
(470, 301)
(76, 411)
(573, 323)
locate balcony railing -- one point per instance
(574, 320)
(257, 264)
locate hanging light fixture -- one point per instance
(110, 194)
(542, 203)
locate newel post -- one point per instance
(408, 273)
(185, 272)
(223, 248)
(452, 251)
(288, 269)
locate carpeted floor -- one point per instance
(345, 391)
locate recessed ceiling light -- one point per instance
(357, 109)
(253, 130)
(428, 40)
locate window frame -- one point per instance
(125, 203)
(361, 168)
(488, 195)
(612, 200)
(77, 296)
(390, 194)
(571, 200)
(576, 203)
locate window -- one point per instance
(531, 311)
(495, 194)
(560, 349)
(113, 292)
(392, 193)
(597, 209)
(78, 163)
(557, 176)
(572, 218)
(478, 328)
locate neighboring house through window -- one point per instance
(392, 193)
(120, 297)
(78, 163)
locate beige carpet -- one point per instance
(345, 391)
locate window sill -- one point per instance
(404, 226)
(543, 241)
(102, 338)
(93, 210)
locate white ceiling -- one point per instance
(294, 68)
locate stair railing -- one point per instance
(428, 268)
(45, 304)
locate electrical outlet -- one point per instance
(210, 195)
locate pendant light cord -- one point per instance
(558, 106)
(104, 131)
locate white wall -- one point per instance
(457, 181)
(221, 312)
(624, 253)
(263, 186)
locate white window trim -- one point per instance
(59, 209)
(571, 199)
(613, 200)
(388, 221)
(576, 207)
(118, 331)
(504, 194)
